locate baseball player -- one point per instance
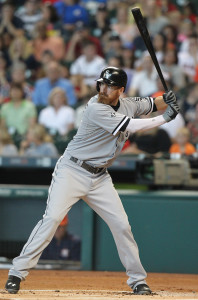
(81, 173)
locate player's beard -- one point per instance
(103, 98)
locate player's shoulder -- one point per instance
(94, 108)
(93, 99)
(127, 100)
(135, 99)
(94, 105)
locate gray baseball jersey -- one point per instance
(99, 139)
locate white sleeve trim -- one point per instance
(119, 126)
(152, 104)
(144, 124)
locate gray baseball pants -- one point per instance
(70, 182)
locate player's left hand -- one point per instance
(170, 98)
(171, 112)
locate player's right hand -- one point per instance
(171, 112)
(170, 97)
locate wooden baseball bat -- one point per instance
(147, 40)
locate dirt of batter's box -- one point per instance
(85, 285)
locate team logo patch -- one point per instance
(107, 74)
(113, 114)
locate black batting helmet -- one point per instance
(112, 76)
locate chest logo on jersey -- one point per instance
(113, 114)
(127, 134)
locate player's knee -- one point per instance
(55, 220)
(123, 228)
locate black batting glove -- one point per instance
(170, 98)
(171, 112)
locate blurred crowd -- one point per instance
(51, 53)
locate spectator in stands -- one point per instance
(19, 114)
(122, 27)
(18, 76)
(43, 86)
(42, 42)
(97, 1)
(4, 50)
(128, 62)
(46, 57)
(189, 12)
(159, 44)
(166, 6)
(182, 143)
(82, 90)
(20, 49)
(89, 64)
(189, 103)
(115, 61)
(144, 82)
(187, 30)
(8, 22)
(171, 67)
(58, 117)
(4, 85)
(113, 45)
(64, 245)
(155, 21)
(74, 47)
(100, 24)
(175, 18)
(7, 147)
(192, 125)
(7, 39)
(188, 59)
(30, 13)
(170, 33)
(52, 20)
(49, 1)
(71, 12)
(38, 143)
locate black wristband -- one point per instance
(154, 107)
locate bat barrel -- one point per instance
(147, 40)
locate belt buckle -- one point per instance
(98, 170)
(76, 160)
(79, 162)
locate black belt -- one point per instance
(87, 167)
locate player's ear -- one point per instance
(121, 90)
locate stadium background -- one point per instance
(163, 214)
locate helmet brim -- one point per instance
(107, 81)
